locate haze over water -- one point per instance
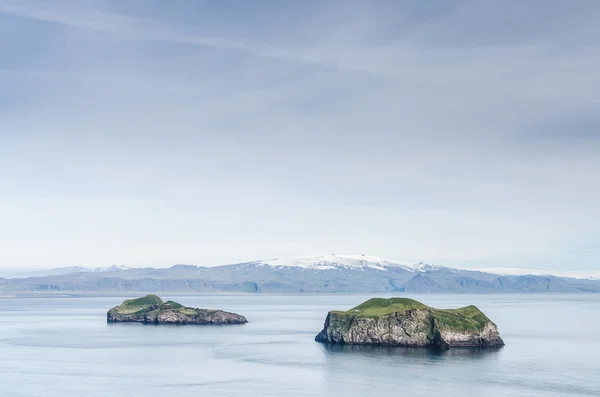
(62, 347)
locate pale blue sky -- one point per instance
(462, 133)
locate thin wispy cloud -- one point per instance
(153, 133)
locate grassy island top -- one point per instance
(131, 306)
(380, 307)
(466, 318)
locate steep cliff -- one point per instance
(152, 310)
(409, 323)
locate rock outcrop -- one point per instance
(152, 310)
(409, 323)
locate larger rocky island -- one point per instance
(409, 323)
(152, 310)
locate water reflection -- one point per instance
(411, 352)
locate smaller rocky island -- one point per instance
(409, 323)
(152, 310)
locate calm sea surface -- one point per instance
(62, 347)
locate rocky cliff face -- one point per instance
(423, 327)
(151, 310)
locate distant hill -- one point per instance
(24, 273)
(315, 274)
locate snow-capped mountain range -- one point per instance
(362, 261)
(348, 261)
(328, 262)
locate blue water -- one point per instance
(62, 347)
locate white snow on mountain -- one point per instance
(349, 261)
(78, 269)
(113, 268)
(509, 271)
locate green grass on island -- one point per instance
(465, 318)
(380, 307)
(135, 305)
(139, 305)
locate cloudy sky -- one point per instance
(461, 133)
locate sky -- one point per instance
(150, 133)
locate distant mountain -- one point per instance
(62, 271)
(311, 274)
(362, 261)
(509, 271)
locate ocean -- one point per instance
(63, 347)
